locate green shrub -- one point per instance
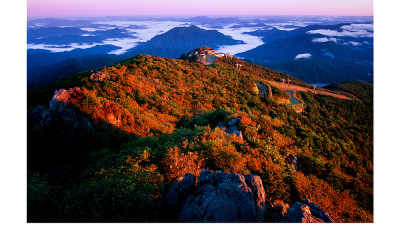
(125, 193)
(41, 199)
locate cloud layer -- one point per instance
(305, 56)
(324, 40)
(352, 30)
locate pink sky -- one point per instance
(59, 8)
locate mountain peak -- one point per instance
(179, 40)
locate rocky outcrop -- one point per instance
(218, 197)
(231, 127)
(61, 98)
(318, 212)
(255, 184)
(222, 197)
(292, 160)
(59, 118)
(306, 212)
(39, 115)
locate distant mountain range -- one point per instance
(313, 57)
(45, 67)
(60, 36)
(315, 53)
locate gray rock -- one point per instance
(318, 212)
(232, 127)
(39, 114)
(219, 197)
(205, 177)
(46, 121)
(302, 213)
(255, 184)
(67, 114)
(56, 105)
(67, 118)
(61, 97)
(187, 186)
(234, 121)
(221, 125)
(235, 131)
(59, 100)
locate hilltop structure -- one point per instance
(205, 55)
(99, 76)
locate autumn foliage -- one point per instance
(156, 120)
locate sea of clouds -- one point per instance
(143, 30)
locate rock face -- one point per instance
(59, 117)
(306, 212)
(218, 197)
(61, 97)
(318, 212)
(222, 197)
(255, 184)
(39, 115)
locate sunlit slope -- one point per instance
(155, 119)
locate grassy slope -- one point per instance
(168, 111)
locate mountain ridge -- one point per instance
(179, 40)
(329, 59)
(107, 145)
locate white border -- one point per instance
(17, 234)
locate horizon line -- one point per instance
(200, 15)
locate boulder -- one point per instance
(179, 191)
(187, 186)
(234, 121)
(255, 184)
(301, 212)
(59, 100)
(235, 131)
(218, 197)
(232, 127)
(318, 212)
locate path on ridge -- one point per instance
(299, 88)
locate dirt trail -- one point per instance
(299, 88)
